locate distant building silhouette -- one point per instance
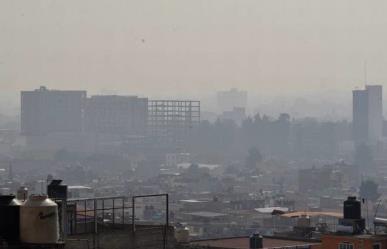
(44, 111)
(228, 100)
(53, 120)
(116, 114)
(237, 114)
(368, 115)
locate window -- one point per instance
(345, 246)
(376, 246)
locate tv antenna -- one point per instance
(365, 72)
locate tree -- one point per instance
(369, 190)
(253, 158)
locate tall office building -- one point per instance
(116, 114)
(228, 100)
(368, 115)
(44, 111)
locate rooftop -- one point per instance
(269, 210)
(311, 214)
(206, 214)
(243, 243)
(357, 236)
(194, 201)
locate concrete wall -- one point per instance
(122, 237)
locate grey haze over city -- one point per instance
(280, 51)
(193, 124)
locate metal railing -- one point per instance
(84, 214)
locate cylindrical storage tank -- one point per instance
(39, 221)
(22, 193)
(9, 218)
(352, 208)
(256, 241)
(303, 221)
(182, 234)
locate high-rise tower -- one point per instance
(368, 115)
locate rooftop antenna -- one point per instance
(376, 212)
(10, 171)
(365, 73)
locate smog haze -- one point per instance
(192, 47)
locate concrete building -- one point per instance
(173, 159)
(368, 115)
(366, 241)
(243, 243)
(44, 111)
(116, 114)
(351, 230)
(228, 100)
(237, 115)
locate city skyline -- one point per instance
(176, 124)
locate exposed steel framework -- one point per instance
(172, 118)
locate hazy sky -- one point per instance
(161, 47)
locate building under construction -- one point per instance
(173, 119)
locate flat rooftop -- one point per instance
(205, 214)
(312, 214)
(243, 243)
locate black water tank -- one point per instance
(352, 208)
(256, 241)
(55, 190)
(9, 218)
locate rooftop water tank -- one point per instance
(182, 234)
(56, 190)
(303, 221)
(39, 221)
(352, 208)
(9, 218)
(22, 193)
(256, 241)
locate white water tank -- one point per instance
(182, 234)
(22, 193)
(39, 222)
(303, 221)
